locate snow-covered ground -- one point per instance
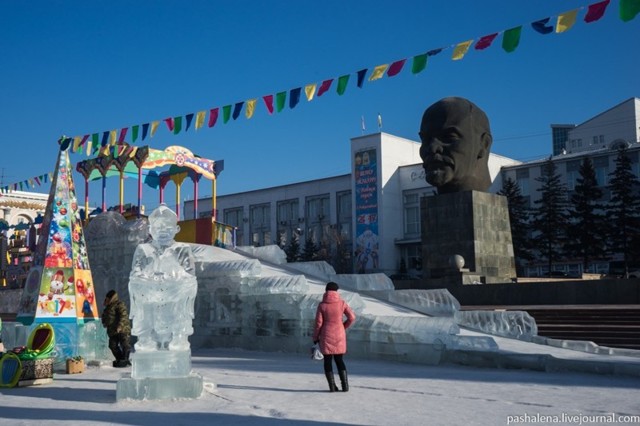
(247, 388)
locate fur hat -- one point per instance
(331, 286)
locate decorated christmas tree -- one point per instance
(59, 287)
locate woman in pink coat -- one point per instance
(330, 333)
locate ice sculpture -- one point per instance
(162, 288)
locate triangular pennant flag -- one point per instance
(280, 98)
(123, 134)
(84, 140)
(177, 125)
(361, 75)
(434, 52)
(596, 11)
(37, 180)
(324, 87)
(310, 91)
(134, 133)
(395, 68)
(251, 107)
(294, 97)
(105, 139)
(226, 113)
(76, 144)
(154, 127)
(114, 137)
(541, 26)
(145, 130)
(566, 21)
(89, 144)
(268, 102)
(419, 63)
(461, 50)
(237, 109)
(170, 123)
(188, 119)
(485, 41)
(378, 72)
(511, 39)
(213, 116)
(342, 84)
(629, 9)
(200, 119)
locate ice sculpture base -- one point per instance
(161, 364)
(154, 388)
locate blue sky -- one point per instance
(79, 67)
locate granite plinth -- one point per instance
(161, 364)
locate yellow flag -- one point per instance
(133, 152)
(76, 143)
(200, 119)
(566, 21)
(154, 127)
(378, 72)
(89, 143)
(114, 136)
(461, 50)
(251, 106)
(310, 90)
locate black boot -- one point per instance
(331, 381)
(344, 381)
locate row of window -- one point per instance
(314, 223)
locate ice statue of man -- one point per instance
(163, 287)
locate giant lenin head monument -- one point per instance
(466, 235)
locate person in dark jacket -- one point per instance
(330, 334)
(115, 319)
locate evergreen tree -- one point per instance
(550, 216)
(519, 216)
(309, 251)
(623, 209)
(587, 231)
(293, 250)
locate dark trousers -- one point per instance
(120, 346)
(328, 360)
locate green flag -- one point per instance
(226, 113)
(511, 39)
(629, 9)
(419, 63)
(177, 125)
(280, 98)
(342, 84)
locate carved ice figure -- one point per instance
(162, 287)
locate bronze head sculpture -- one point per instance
(456, 140)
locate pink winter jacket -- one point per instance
(330, 326)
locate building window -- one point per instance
(287, 217)
(234, 217)
(260, 224)
(573, 173)
(601, 166)
(344, 215)
(411, 210)
(318, 218)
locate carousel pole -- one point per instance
(139, 190)
(86, 200)
(104, 193)
(121, 191)
(196, 180)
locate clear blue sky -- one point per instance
(78, 67)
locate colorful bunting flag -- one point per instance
(134, 133)
(511, 39)
(213, 116)
(434, 52)
(251, 107)
(419, 63)
(294, 97)
(76, 144)
(461, 50)
(188, 119)
(361, 75)
(596, 11)
(395, 68)
(324, 86)
(629, 9)
(200, 115)
(89, 144)
(145, 130)
(226, 113)
(309, 91)
(123, 134)
(485, 41)
(342, 84)
(154, 127)
(566, 21)
(378, 72)
(237, 109)
(114, 137)
(105, 139)
(170, 123)
(542, 27)
(177, 125)
(268, 102)
(281, 97)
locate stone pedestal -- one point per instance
(474, 225)
(160, 375)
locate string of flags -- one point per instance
(92, 143)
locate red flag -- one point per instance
(123, 134)
(395, 68)
(213, 116)
(169, 122)
(596, 11)
(485, 41)
(268, 101)
(325, 86)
